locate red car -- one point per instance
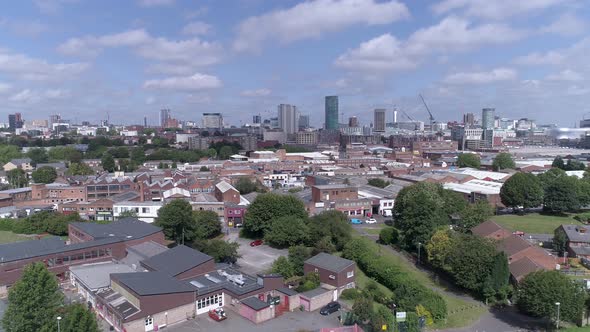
(256, 243)
(217, 314)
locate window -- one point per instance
(350, 274)
(350, 285)
(149, 321)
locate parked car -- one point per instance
(371, 221)
(330, 308)
(256, 243)
(217, 314)
(356, 221)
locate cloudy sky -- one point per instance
(84, 58)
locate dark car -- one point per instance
(256, 243)
(330, 308)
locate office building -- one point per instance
(15, 121)
(164, 117)
(469, 120)
(212, 121)
(331, 113)
(487, 118)
(379, 120)
(303, 122)
(256, 119)
(54, 118)
(288, 119)
(353, 121)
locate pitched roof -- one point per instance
(224, 186)
(176, 260)
(19, 161)
(329, 262)
(513, 245)
(255, 303)
(522, 267)
(127, 227)
(573, 233)
(152, 283)
(487, 228)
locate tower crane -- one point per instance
(429, 112)
(407, 116)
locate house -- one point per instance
(144, 211)
(225, 192)
(335, 272)
(577, 240)
(491, 230)
(22, 163)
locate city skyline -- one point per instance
(59, 57)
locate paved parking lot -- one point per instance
(255, 259)
(288, 322)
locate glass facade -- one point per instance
(331, 121)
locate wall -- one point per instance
(320, 300)
(176, 315)
(341, 279)
(198, 270)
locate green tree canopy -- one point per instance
(78, 318)
(502, 161)
(552, 175)
(108, 162)
(475, 214)
(379, 183)
(558, 163)
(79, 169)
(333, 225)
(17, 178)
(207, 224)
(32, 301)
(522, 189)
(245, 186)
(468, 160)
(439, 248)
(222, 251)
(471, 261)
(225, 152)
(38, 156)
(539, 291)
(9, 152)
(562, 195)
(287, 231)
(283, 266)
(45, 174)
(269, 207)
(176, 220)
(297, 256)
(559, 241)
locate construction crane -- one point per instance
(407, 116)
(429, 112)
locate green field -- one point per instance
(7, 237)
(533, 223)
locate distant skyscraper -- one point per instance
(379, 120)
(331, 110)
(487, 118)
(288, 119)
(256, 119)
(164, 117)
(353, 121)
(54, 118)
(212, 121)
(303, 121)
(469, 119)
(15, 121)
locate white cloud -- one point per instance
(566, 25)
(51, 6)
(536, 59)
(381, 53)
(32, 96)
(25, 95)
(575, 55)
(481, 77)
(23, 28)
(494, 9)
(150, 100)
(312, 19)
(185, 83)
(566, 75)
(56, 94)
(155, 3)
(196, 28)
(26, 68)
(256, 93)
(5, 87)
(452, 34)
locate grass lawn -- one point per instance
(533, 223)
(7, 237)
(577, 329)
(373, 231)
(461, 319)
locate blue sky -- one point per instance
(83, 58)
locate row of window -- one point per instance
(211, 300)
(64, 260)
(136, 209)
(112, 187)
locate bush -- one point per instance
(6, 224)
(350, 294)
(388, 235)
(583, 217)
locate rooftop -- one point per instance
(577, 233)
(95, 276)
(255, 303)
(176, 260)
(329, 262)
(152, 283)
(127, 228)
(224, 186)
(332, 186)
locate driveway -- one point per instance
(255, 259)
(288, 322)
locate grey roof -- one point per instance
(60, 165)
(176, 260)
(332, 186)
(16, 190)
(126, 227)
(329, 262)
(255, 303)
(573, 233)
(217, 280)
(142, 251)
(287, 291)
(315, 292)
(152, 283)
(124, 196)
(96, 276)
(19, 161)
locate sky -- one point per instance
(126, 60)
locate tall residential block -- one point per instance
(379, 120)
(212, 121)
(487, 118)
(288, 118)
(164, 117)
(331, 113)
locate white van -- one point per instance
(387, 213)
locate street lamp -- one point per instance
(419, 245)
(58, 319)
(557, 304)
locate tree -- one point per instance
(207, 224)
(324, 245)
(382, 317)
(17, 178)
(32, 301)
(522, 190)
(330, 224)
(379, 183)
(539, 291)
(127, 214)
(245, 186)
(269, 207)
(9, 152)
(176, 219)
(439, 248)
(559, 241)
(562, 196)
(79, 169)
(45, 174)
(286, 231)
(222, 251)
(552, 175)
(362, 308)
(389, 236)
(475, 214)
(78, 318)
(423, 312)
(468, 160)
(558, 163)
(500, 275)
(38, 156)
(574, 165)
(108, 162)
(297, 256)
(138, 155)
(225, 152)
(204, 169)
(283, 266)
(502, 161)
(470, 261)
